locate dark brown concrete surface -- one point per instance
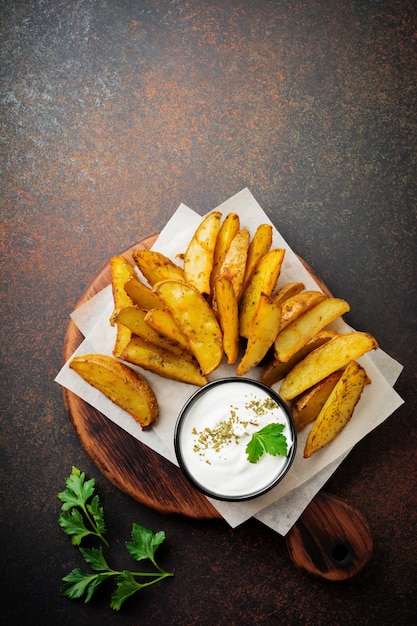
(114, 112)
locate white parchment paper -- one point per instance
(281, 507)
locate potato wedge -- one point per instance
(199, 256)
(263, 281)
(265, 327)
(228, 313)
(296, 334)
(120, 270)
(331, 356)
(258, 247)
(338, 408)
(142, 295)
(298, 304)
(135, 318)
(120, 384)
(274, 370)
(123, 336)
(162, 362)
(162, 322)
(227, 231)
(289, 290)
(309, 404)
(155, 266)
(234, 262)
(197, 321)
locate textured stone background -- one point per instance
(112, 113)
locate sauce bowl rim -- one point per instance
(180, 421)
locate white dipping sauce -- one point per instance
(213, 432)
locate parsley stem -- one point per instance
(158, 575)
(93, 525)
(154, 575)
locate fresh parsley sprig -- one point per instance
(82, 516)
(81, 513)
(269, 439)
(143, 546)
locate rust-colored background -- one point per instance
(112, 114)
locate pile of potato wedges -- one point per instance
(220, 303)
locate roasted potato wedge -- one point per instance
(228, 229)
(263, 281)
(298, 304)
(309, 404)
(274, 370)
(162, 362)
(120, 383)
(234, 262)
(338, 408)
(162, 322)
(228, 313)
(258, 247)
(123, 336)
(155, 266)
(289, 290)
(199, 256)
(331, 356)
(197, 321)
(120, 270)
(142, 295)
(296, 334)
(265, 326)
(135, 318)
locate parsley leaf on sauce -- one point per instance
(268, 440)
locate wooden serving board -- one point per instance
(331, 539)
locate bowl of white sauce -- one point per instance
(235, 439)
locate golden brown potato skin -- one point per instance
(338, 408)
(309, 404)
(199, 256)
(162, 322)
(136, 319)
(331, 356)
(302, 329)
(196, 320)
(121, 384)
(274, 370)
(142, 295)
(227, 231)
(234, 262)
(228, 313)
(263, 280)
(298, 304)
(163, 362)
(289, 290)
(121, 271)
(258, 247)
(264, 329)
(155, 266)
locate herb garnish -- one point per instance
(268, 440)
(76, 503)
(79, 494)
(234, 427)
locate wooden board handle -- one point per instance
(331, 539)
